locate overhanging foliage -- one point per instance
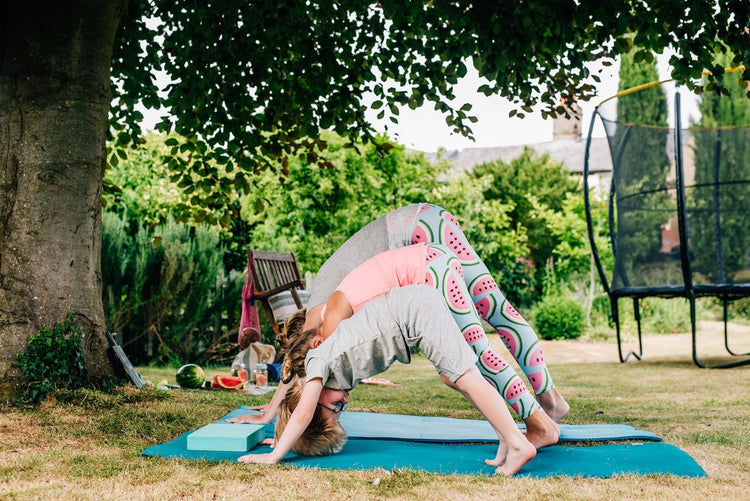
(253, 83)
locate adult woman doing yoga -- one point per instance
(427, 223)
(435, 266)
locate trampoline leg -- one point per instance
(616, 318)
(695, 351)
(726, 333)
(637, 312)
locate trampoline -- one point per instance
(678, 215)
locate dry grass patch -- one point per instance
(86, 445)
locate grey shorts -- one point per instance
(426, 323)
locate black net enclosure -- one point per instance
(678, 204)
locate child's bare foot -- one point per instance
(502, 454)
(517, 456)
(553, 404)
(541, 431)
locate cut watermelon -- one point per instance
(431, 278)
(491, 362)
(422, 234)
(518, 406)
(538, 380)
(240, 373)
(511, 314)
(514, 389)
(452, 220)
(455, 265)
(450, 239)
(431, 253)
(486, 306)
(227, 382)
(482, 284)
(534, 356)
(512, 340)
(454, 295)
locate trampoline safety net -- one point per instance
(678, 214)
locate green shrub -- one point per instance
(740, 309)
(601, 310)
(525, 184)
(53, 359)
(166, 292)
(559, 317)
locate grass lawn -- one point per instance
(86, 445)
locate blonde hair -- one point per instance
(323, 436)
(292, 330)
(292, 327)
(295, 352)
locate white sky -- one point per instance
(425, 129)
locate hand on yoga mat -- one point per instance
(258, 458)
(259, 418)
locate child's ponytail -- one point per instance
(292, 327)
(296, 350)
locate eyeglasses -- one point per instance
(337, 407)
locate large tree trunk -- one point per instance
(55, 59)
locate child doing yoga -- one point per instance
(380, 333)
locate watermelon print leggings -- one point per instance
(454, 268)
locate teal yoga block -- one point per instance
(226, 437)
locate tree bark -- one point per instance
(55, 59)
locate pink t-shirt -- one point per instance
(381, 273)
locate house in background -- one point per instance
(567, 146)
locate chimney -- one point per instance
(567, 128)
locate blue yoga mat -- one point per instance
(434, 444)
(468, 459)
(442, 429)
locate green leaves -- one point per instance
(53, 359)
(252, 84)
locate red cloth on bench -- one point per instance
(249, 321)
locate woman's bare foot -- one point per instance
(553, 404)
(541, 430)
(516, 456)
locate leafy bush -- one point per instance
(524, 184)
(663, 315)
(54, 359)
(559, 317)
(740, 308)
(166, 292)
(602, 310)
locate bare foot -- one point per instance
(553, 404)
(541, 431)
(517, 456)
(502, 454)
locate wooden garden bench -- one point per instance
(278, 285)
